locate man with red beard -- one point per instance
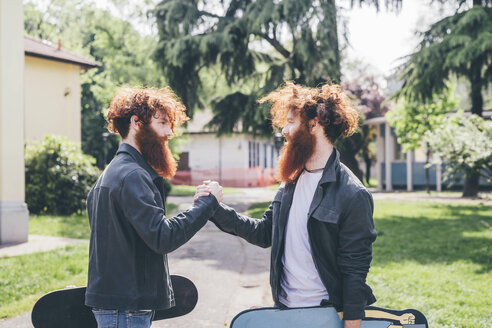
(130, 235)
(319, 224)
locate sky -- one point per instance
(376, 38)
(381, 38)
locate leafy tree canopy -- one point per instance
(123, 53)
(463, 143)
(412, 120)
(258, 44)
(458, 45)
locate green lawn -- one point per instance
(76, 226)
(63, 226)
(435, 257)
(23, 279)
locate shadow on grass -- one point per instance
(438, 234)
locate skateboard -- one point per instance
(65, 307)
(326, 317)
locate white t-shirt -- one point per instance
(300, 282)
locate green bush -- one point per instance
(58, 176)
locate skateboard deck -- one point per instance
(326, 317)
(65, 307)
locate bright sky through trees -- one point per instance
(380, 38)
(377, 38)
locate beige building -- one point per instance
(39, 95)
(13, 209)
(54, 107)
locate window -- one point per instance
(184, 161)
(272, 156)
(257, 154)
(265, 156)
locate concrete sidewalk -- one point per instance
(230, 274)
(36, 244)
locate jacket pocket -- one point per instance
(324, 214)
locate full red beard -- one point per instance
(156, 152)
(294, 155)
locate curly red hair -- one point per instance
(145, 103)
(329, 103)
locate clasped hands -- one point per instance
(209, 187)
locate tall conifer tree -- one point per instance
(460, 46)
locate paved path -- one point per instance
(230, 274)
(36, 244)
(485, 198)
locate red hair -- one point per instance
(329, 103)
(145, 103)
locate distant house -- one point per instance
(52, 90)
(407, 170)
(235, 160)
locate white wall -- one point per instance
(226, 159)
(204, 151)
(13, 210)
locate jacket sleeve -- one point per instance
(161, 234)
(356, 235)
(255, 231)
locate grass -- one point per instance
(61, 226)
(256, 210)
(432, 256)
(76, 226)
(185, 190)
(23, 279)
(436, 257)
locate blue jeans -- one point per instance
(123, 319)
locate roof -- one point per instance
(37, 48)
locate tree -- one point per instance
(58, 176)
(458, 45)
(413, 120)
(463, 144)
(256, 45)
(113, 42)
(365, 89)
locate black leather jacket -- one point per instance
(341, 232)
(130, 235)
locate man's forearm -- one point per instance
(257, 232)
(351, 323)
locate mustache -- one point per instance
(156, 152)
(294, 154)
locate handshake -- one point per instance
(209, 187)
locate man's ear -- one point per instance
(135, 122)
(314, 124)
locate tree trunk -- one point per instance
(476, 88)
(477, 3)
(351, 162)
(471, 185)
(427, 178)
(330, 13)
(368, 162)
(470, 189)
